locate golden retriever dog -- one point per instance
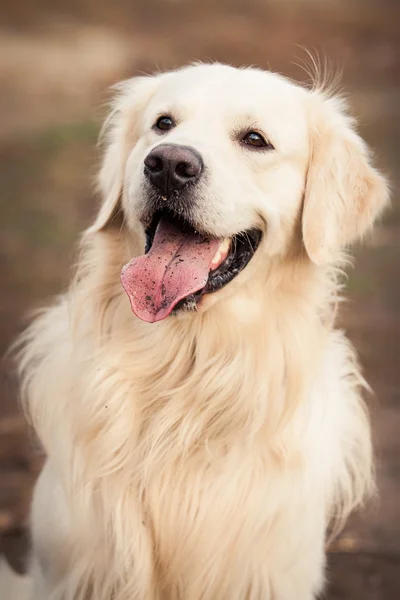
(201, 415)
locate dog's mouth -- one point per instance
(180, 265)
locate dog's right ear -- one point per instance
(119, 134)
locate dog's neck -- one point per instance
(260, 346)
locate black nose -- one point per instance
(169, 167)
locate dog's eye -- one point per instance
(164, 123)
(256, 140)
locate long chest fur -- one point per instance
(210, 515)
(186, 482)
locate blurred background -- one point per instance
(57, 60)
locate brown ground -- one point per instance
(54, 69)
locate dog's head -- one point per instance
(217, 164)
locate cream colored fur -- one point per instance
(205, 457)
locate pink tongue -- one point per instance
(176, 266)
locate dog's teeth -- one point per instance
(217, 258)
(221, 253)
(224, 247)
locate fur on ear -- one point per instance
(119, 135)
(344, 193)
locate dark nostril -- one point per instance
(154, 163)
(184, 169)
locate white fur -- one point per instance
(205, 457)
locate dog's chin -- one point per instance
(237, 253)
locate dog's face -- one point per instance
(215, 163)
(244, 137)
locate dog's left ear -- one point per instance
(344, 193)
(120, 134)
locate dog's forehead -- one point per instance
(228, 97)
(227, 89)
